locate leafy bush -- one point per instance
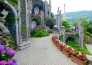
(68, 30)
(13, 2)
(89, 29)
(88, 33)
(66, 24)
(76, 47)
(39, 32)
(60, 37)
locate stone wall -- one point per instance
(87, 39)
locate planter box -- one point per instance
(78, 61)
(60, 47)
(66, 53)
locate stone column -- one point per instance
(58, 20)
(81, 34)
(46, 12)
(42, 17)
(49, 7)
(29, 8)
(81, 37)
(63, 32)
(23, 25)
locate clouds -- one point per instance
(71, 5)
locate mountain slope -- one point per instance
(72, 17)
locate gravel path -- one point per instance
(42, 52)
(89, 46)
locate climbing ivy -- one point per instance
(13, 2)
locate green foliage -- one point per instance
(66, 24)
(60, 37)
(6, 57)
(36, 17)
(89, 28)
(52, 15)
(84, 22)
(88, 33)
(10, 19)
(68, 30)
(13, 2)
(39, 33)
(74, 16)
(49, 23)
(76, 47)
(12, 43)
(77, 35)
(23, 29)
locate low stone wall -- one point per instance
(87, 39)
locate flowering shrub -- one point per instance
(74, 52)
(6, 56)
(39, 31)
(81, 56)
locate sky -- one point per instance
(71, 5)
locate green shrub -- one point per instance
(76, 47)
(39, 33)
(88, 33)
(68, 30)
(60, 37)
(13, 2)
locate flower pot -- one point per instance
(78, 61)
(67, 53)
(60, 47)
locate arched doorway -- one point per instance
(70, 38)
(34, 23)
(10, 20)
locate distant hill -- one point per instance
(72, 17)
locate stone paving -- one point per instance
(42, 52)
(89, 46)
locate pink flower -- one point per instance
(3, 62)
(9, 62)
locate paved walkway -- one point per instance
(42, 52)
(89, 46)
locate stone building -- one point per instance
(39, 5)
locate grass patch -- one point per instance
(75, 46)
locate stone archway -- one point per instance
(10, 20)
(37, 22)
(71, 37)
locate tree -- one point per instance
(66, 24)
(52, 15)
(84, 22)
(89, 28)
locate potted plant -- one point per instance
(79, 58)
(67, 51)
(61, 46)
(6, 56)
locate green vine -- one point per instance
(77, 35)
(23, 29)
(13, 2)
(10, 19)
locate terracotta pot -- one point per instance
(78, 61)
(60, 47)
(67, 53)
